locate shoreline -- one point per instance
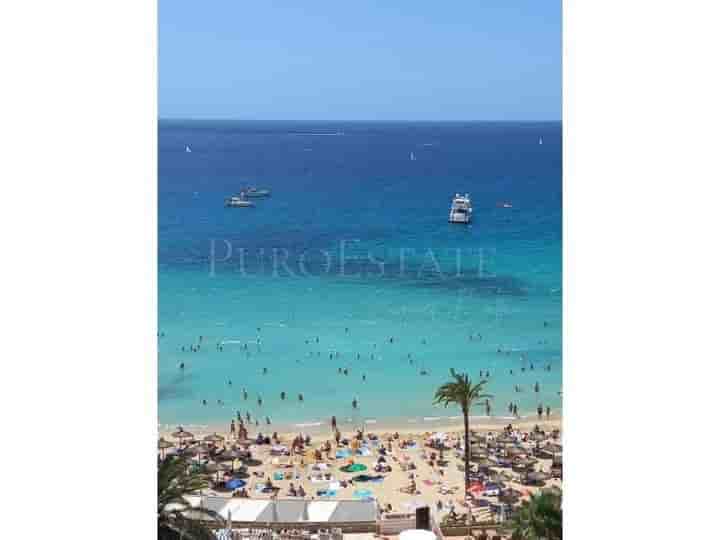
(323, 430)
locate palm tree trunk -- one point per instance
(466, 419)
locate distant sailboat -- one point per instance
(187, 149)
(540, 141)
(412, 156)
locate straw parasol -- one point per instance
(214, 438)
(553, 448)
(182, 434)
(164, 445)
(538, 477)
(515, 451)
(196, 450)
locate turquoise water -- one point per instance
(276, 295)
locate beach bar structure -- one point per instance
(352, 516)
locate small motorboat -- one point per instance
(238, 202)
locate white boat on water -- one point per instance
(461, 209)
(238, 202)
(187, 149)
(412, 156)
(255, 193)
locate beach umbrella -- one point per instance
(196, 450)
(164, 445)
(181, 434)
(234, 483)
(536, 477)
(553, 448)
(515, 451)
(214, 438)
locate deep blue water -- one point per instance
(349, 190)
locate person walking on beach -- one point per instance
(515, 412)
(547, 412)
(232, 427)
(333, 423)
(540, 411)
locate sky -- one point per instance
(360, 59)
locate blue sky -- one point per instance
(360, 59)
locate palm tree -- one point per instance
(174, 482)
(540, 518)
(461, 391)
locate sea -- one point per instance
(346, 292)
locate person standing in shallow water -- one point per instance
(333, 423)
(232, 427)
(540, 411)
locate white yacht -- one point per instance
(238, 202)
(253, 192)
(461, 209)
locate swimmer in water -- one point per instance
(537, 387)
(245, 394)
(531, 367)
(204, 401)
(300, 397)
(247, 415)
(182, 365)
(511, 372)
(229, 382)
(363, 377)
(354, 403)
(265, 371)
(282, 395)
(259, 401)
(267, 420)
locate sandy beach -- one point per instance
(434, 484)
